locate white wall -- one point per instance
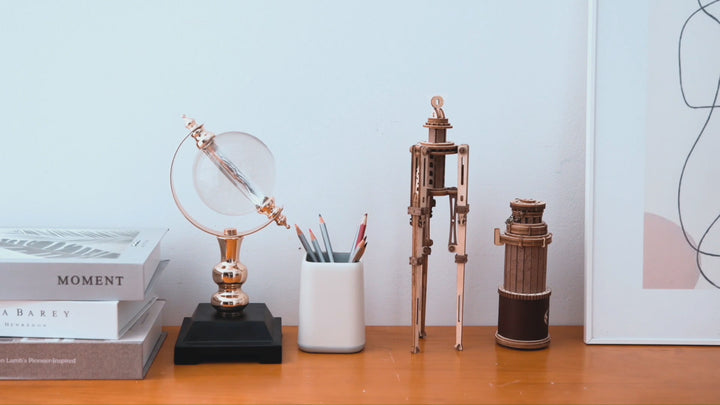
(91, 94)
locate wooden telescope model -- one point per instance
(524, 306)
(426, 183)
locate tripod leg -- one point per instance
(461, 257)
(417, 271)
(416, 260)
(460, 301)
(416, 314)
(423, 300)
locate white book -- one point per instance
(74, 319)
(77, 264)
(129, 357)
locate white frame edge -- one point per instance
(590, 167)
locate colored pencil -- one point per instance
(360, 252)
(305, 244)
(359, 235)
(326, 239)
(317, 246)
(363, 226)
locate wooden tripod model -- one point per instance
(427, 182)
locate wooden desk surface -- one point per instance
(386, 372)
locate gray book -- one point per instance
(77, 264)
(127, 358)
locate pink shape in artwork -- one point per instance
(669, 262)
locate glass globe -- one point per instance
(236, 176)
(217, 181)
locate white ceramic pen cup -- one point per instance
(331, 316)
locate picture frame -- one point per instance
(650, 215)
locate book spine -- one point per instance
(69, 319)
(73, 281)
(30, 272)
(72, 361)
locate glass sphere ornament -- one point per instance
(217, 182)
(241, 163)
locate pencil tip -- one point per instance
(297, 228)
(322, 221)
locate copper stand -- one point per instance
(230, 328)
(427, 182)
(229, 275)
(524, 300)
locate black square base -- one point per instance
(254, 336)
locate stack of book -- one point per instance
(79, 303)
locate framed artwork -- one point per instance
(652, 220)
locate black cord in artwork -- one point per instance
(711, 107)
(703, 9)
